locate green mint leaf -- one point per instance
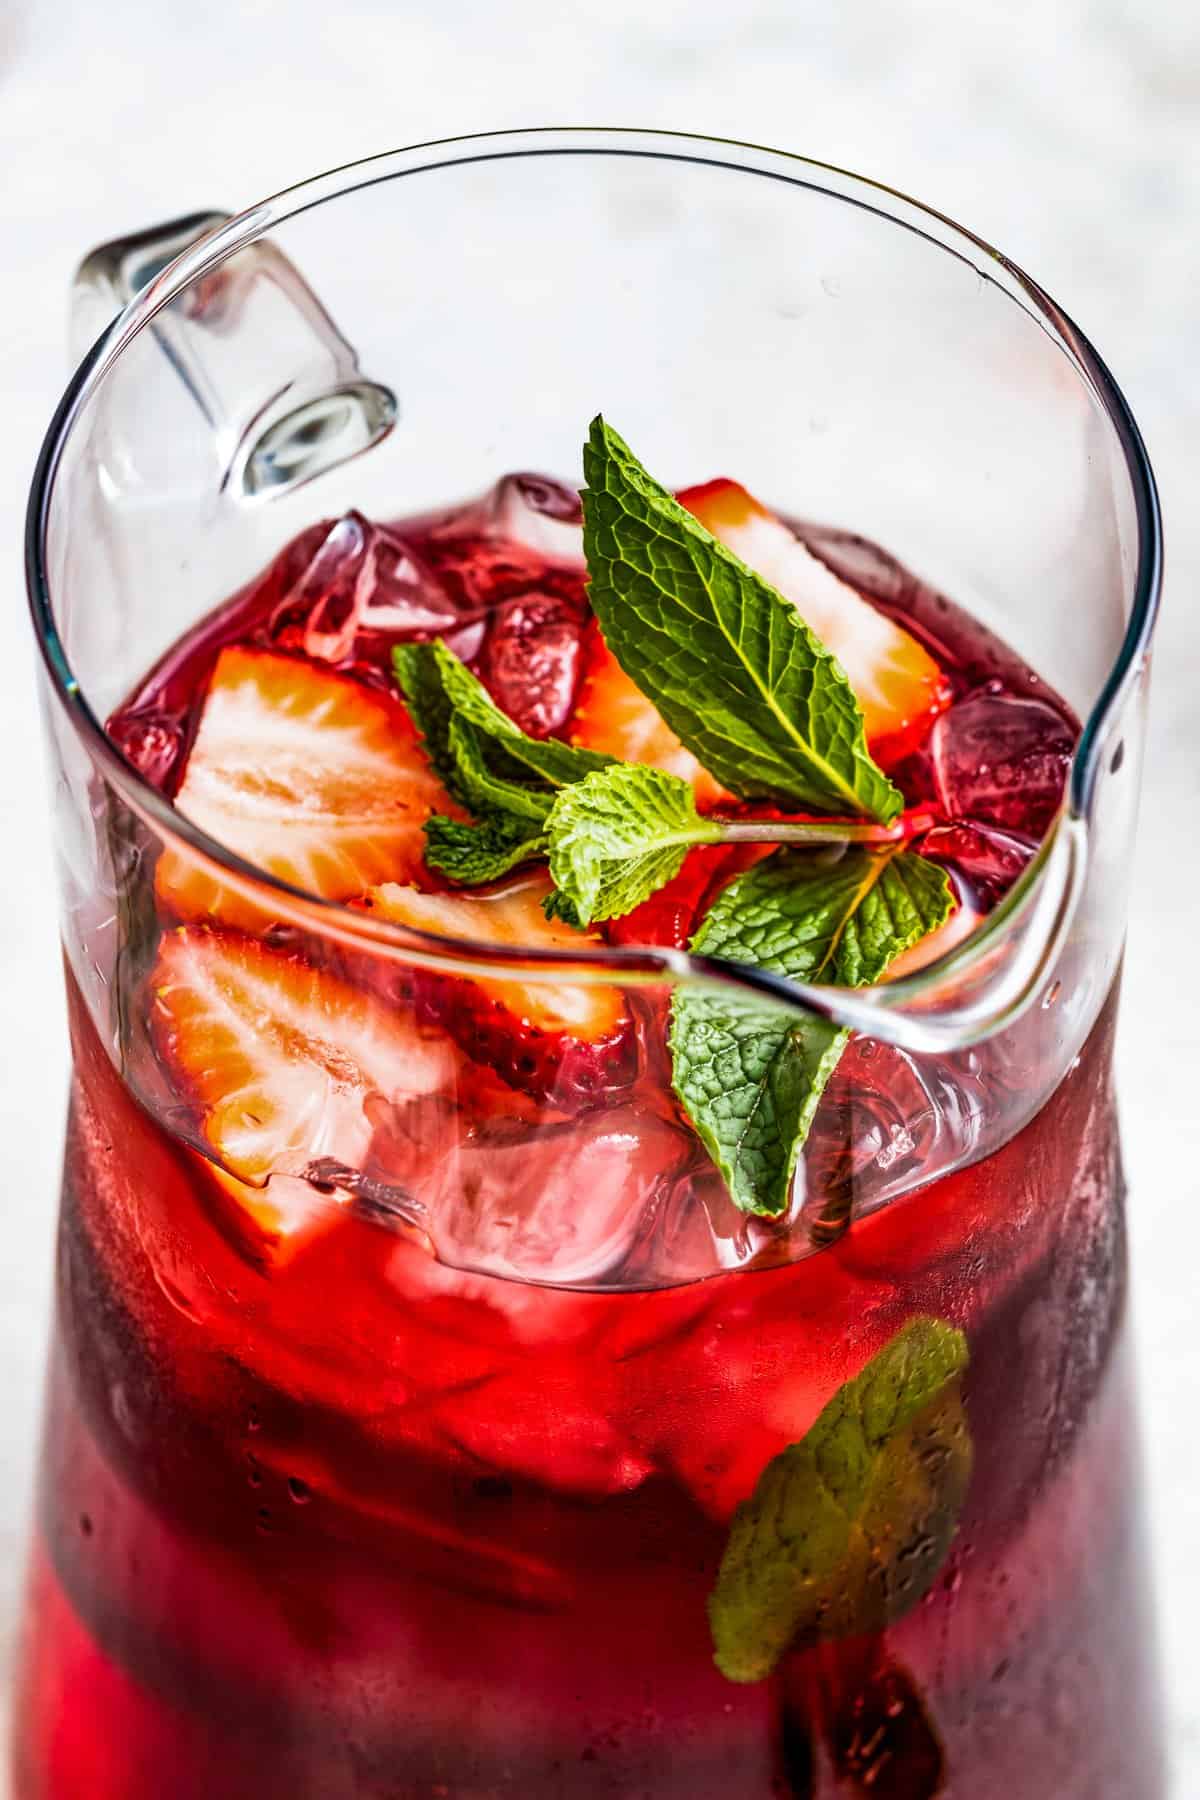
(440, 690)
(847, 1529)
(748, 1076)
(558, 905)
(418, 671)
(726, 659)
(750, 1086)
(473, 854)
(619, 834)
(482, 787)
(504, 778)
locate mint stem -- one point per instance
(821, 831)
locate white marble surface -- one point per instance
(1067, 135)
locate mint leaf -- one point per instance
(618, 835)
(418, 671)
(441, 690)
(473, 854)
(749, 1077)
(750, 1085)
(507, 780)
(480, 785)
(726, 659)
(847, 1529)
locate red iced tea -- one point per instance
(412, 1473)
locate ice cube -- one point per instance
(987, 862)
(530, 662)
(515, 559)
(877, 1128)
(152, 741)
(541, 513)
(1001, 759)
(535, 512)
(697, 1231)
(524, 533)
(560, 1203)
(361, 581)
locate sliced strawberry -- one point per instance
(267, 1224)
(283, 1063)
(670, 915)
(899, 685)
(557, 1040)
(613, 715)
(306, 773)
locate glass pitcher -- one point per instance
(434, 1458)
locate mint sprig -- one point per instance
(848, 1528)
(748, 1076)
(621, 833)
(727, 660)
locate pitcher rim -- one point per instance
(1062, 847)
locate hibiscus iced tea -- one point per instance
(425, 1418)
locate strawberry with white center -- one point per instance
(557, 1039)
(284, 1063)
(898, 684)
(305, 773)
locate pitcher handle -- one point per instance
(278, 384)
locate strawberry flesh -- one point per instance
(564, 1042)
(307, 774)
(671, 915)
(283, 1063)
(898, 684)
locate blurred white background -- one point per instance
(1066, 134)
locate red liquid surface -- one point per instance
(351, 1523)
